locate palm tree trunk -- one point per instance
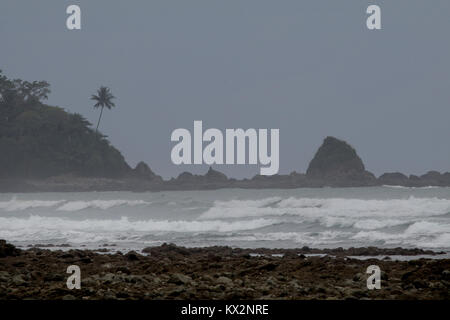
(99, 118)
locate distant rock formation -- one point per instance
(393, 179)
(431, 178)
(336, 163)
(143, 171)
(211, 180)
(215, 176)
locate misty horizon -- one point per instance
(310, 69)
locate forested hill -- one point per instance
(39, 141)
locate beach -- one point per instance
(172, 272)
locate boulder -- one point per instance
(8, 250)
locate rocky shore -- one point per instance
(171, 272)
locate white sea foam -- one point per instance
(47, 228)
(17, 205)
(427, 227)
(312, 208)
(403, 187)
(364, 224)
(304, 238)
(99, 204)
(440, 241)
(217, 218)
(419, 234)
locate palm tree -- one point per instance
(103, 98)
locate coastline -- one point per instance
(171, 272)
(197, 183)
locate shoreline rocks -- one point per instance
(172, 272)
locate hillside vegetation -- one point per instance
(39, 141)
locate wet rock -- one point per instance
(224, 280)
(18, 280)
(53, 277)
(8, 250)
(132, 256)
(109, 295)
(123, 269)
(224, 273)
(4, 276)
(178, 278)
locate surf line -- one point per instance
(237, 141)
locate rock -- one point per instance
(215, 176)
(69, 297)
(432, 178)
(18, 280)
(4, 276)
(166, 250)
(419, 284)
(132, 256)
(446, 274)
(178, 278)
(224, 280)
(109, 295)
(53, 277)
(123, 269)
(393, 179)
(337, 164)
(143, 171)
(109, 277)
(185, 177)
(358, 277)
(8, 250)
(270, 266)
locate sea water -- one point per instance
(321, 218)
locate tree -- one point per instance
(103, 98)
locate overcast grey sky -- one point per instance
(310, 68)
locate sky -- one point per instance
(309, 68)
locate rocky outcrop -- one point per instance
(393, 179)
(213, 179)
(8, 250)
(431, 178)
(143, 171)
(215, 176)
(336, 163)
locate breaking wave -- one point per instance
(17, 205)
(99, 204)
(236, 217)
(48, 228)
(334, 207)
(64, 205)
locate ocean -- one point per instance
(386, 216)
